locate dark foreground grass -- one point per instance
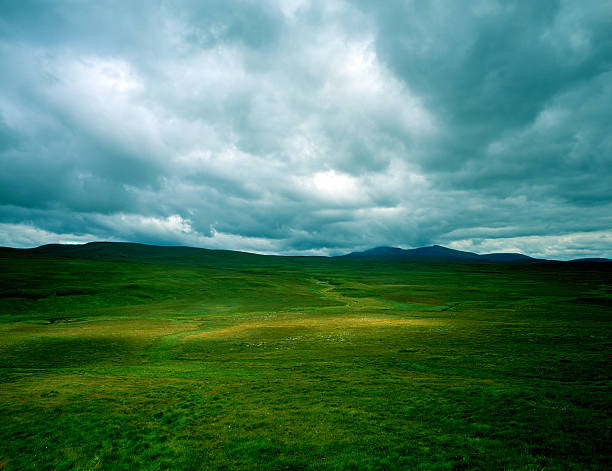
(272, 363)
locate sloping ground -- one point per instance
(307, 364)
(123, 251)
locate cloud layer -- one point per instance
(308, 126)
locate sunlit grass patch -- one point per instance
(332, 323)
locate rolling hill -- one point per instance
(437, 253)
(180, 255)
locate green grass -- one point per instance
(248, 362)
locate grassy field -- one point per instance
(235, 361)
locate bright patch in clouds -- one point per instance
(335, 187)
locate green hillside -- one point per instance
(126, 356)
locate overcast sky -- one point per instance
(308, 127)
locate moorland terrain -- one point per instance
(125, 356)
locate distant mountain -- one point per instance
(598, 260)
(508, 257)
(435, 252)
(179, 255)
(395, 253)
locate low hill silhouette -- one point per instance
(181, 255)
(438, 253)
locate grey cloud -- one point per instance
(326, 127)
(490, 64)
(8, 139)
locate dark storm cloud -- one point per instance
(317, 127)
(518, 86)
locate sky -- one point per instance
(308, 127)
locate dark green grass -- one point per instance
(284, 363)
